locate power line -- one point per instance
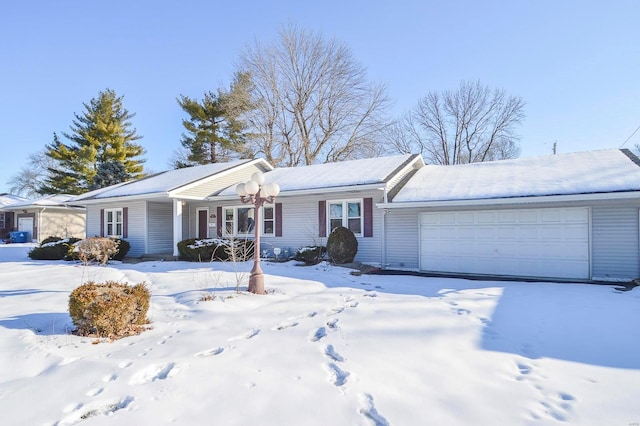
(627, 140)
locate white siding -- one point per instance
(137, 223)
(615, 242)
(160, 228)
(300, 223)
(402, 239)
(615, 239)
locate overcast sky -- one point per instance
(576, 64)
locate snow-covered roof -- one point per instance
(10, 199)
(56, 200)
(348, 173)
(588, 172)
(161, 183)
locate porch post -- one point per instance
(177, 225)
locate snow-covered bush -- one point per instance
(310, 255)
(53, 248)
(110, 309)
(342, 246)
(211, 249)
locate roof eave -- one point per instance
(137, 197)
(514, 200)
(312, 191)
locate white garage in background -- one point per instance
(550, 242)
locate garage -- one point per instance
(548, 242)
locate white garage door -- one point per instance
(534, 243)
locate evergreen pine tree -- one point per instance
(214, 130)
(102, 134)
(109, 173)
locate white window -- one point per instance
(346, 213)
(268, 221)
(240, 221)
(3, 223)
(113, 223)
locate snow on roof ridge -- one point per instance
(607, 170)
(162, 182)
(330, 175)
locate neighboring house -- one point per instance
(49, 216)
(572, 216)
(7, 216)
(315, 199)
(154, 213)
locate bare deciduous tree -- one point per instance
(28, 180)
(471, 124)
(311, 101)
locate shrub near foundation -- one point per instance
(52, 248)
(342, 246)
(110, 309)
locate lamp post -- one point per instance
(257, 193)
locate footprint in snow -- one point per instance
(319, 334)
(209, 352)
(330, 352)
(109, 378)
(94, 392)
(93, 410)
(246, 336)
(370, 412)
(338, 376)
(335, 311)
(523, 370)
(154, 372)
(284, 325)
(333, 324)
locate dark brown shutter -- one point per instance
(125, 222)
(278, 219)
(368, 217)
(203, 219)
(322, 218)
(102, 222)
(219, 221)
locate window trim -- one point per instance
(345, 214)
(235, 221)
(114, 223)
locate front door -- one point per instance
(25, 224)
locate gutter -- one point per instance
(513, 200)
(311, 191)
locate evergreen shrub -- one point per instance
(52, 248)
(215, 249)
(342, 246)
(310, 255)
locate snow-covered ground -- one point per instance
(324, 347)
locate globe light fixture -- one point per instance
(256, 192)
